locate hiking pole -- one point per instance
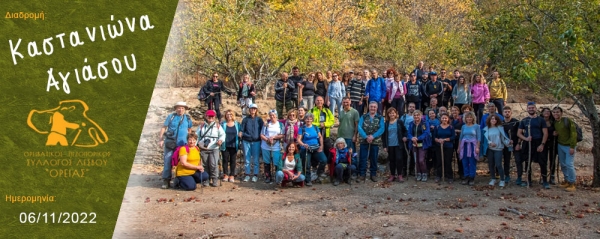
(284, 108)
(443, 162)
(407, 159)
(221, 168)
(555, 159)
(272, 163)
(368, 155)
(415, 159)
(529, 159)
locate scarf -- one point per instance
(340, 155)
(289, 133)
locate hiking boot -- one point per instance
(507, 179)
(518, 181)
(391, 178)
(419, 176)
(524, 184)
(437, 179)
(205, 183)
(166, 183)
(424, 177)
(501, 184)
(471, 181)
(400, 179)
(268, 180)
(492, 182)
(254, 179)
(450, 181)
(570, 188)
(374, 178)
(318, 180)
(246, 179)
(336, 182)
(564, 184)
(546, 185)
(353, 177)
(308, 184)
(214, 183)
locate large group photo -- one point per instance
(308, 124)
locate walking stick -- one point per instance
(443, 162)
(407, 160)
(529, 159)
(272, 162)
(555, 159)
(368, 155)
(284, 108)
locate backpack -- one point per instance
(175, 156)
(577, 128)
(202, 94)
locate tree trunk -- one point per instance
(592, 115)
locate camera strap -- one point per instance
(177, 130)
(206, 132)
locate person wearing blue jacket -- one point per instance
(420, 137)
(251, 128)
(370, 129)
(376, 91)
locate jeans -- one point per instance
(469, 163)
(567, 164)
(268, 157)
(210, 162)
(167, 154)
(279, 177)
(189, 182)
(335, 103)
(372, 155)
(314, 159)
(358, 107)
(308, 102)
(494, 158)
(251, 150)
(499, 103)
(342, 172)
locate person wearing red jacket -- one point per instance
(341, 157)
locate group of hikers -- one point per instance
(429, 125)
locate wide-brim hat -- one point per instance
(181, 103)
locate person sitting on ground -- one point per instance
(189, 171)
(342, 156)
(291, 167)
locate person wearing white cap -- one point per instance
(250, 130)
(176, 128)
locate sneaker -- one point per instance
(546, 185)
(437, 179)
(246, 179)
(424, 177)
(570, 188)
(552, 182)
(353, 177)
(318, 180)
(507, 179)
(400, 179)
(254, 179)
(166, 183)
(225, 178)
(231, 179)
(471, 181)
(214, 184)
(205, 183)
(501, 184)
(465, 181)
(391, 178)
(336, 182)
(564, 184)
(308, 184)
(268, 180)
(492, 182)
(419, 176)
(524, 184)
(374, 178)
(518, 181)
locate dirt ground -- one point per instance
(365, 210)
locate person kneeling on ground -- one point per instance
(291, 166)
(342, 157)
(189, 170)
